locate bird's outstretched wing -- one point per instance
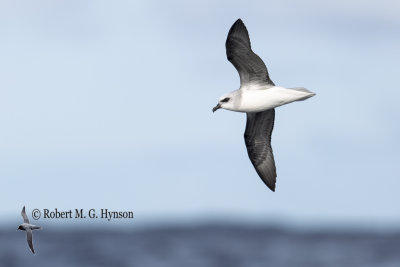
(257, 137)
(29, 239)
(23, 213)
(238, 50)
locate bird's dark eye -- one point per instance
(226, 99)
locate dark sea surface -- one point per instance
(209, 245)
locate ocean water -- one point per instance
(199, 246)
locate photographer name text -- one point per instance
(104, 214)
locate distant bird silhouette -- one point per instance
(28, 228)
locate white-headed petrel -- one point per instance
(257, 96)
(26, 226)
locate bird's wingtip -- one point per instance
(272, 188)
(238, 21)
(271, 184)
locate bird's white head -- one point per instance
(228, 101)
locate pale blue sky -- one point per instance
(108, 105)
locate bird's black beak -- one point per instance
(216, 107)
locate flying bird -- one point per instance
(258, 97)
(26, 226)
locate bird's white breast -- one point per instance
(256, 100)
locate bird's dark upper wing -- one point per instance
(257, 137)
(23, 213)
(238, 50)
(29, 239)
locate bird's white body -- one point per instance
(255, 98)
(28, 226)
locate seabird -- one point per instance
(26, 226)
(257, 97)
